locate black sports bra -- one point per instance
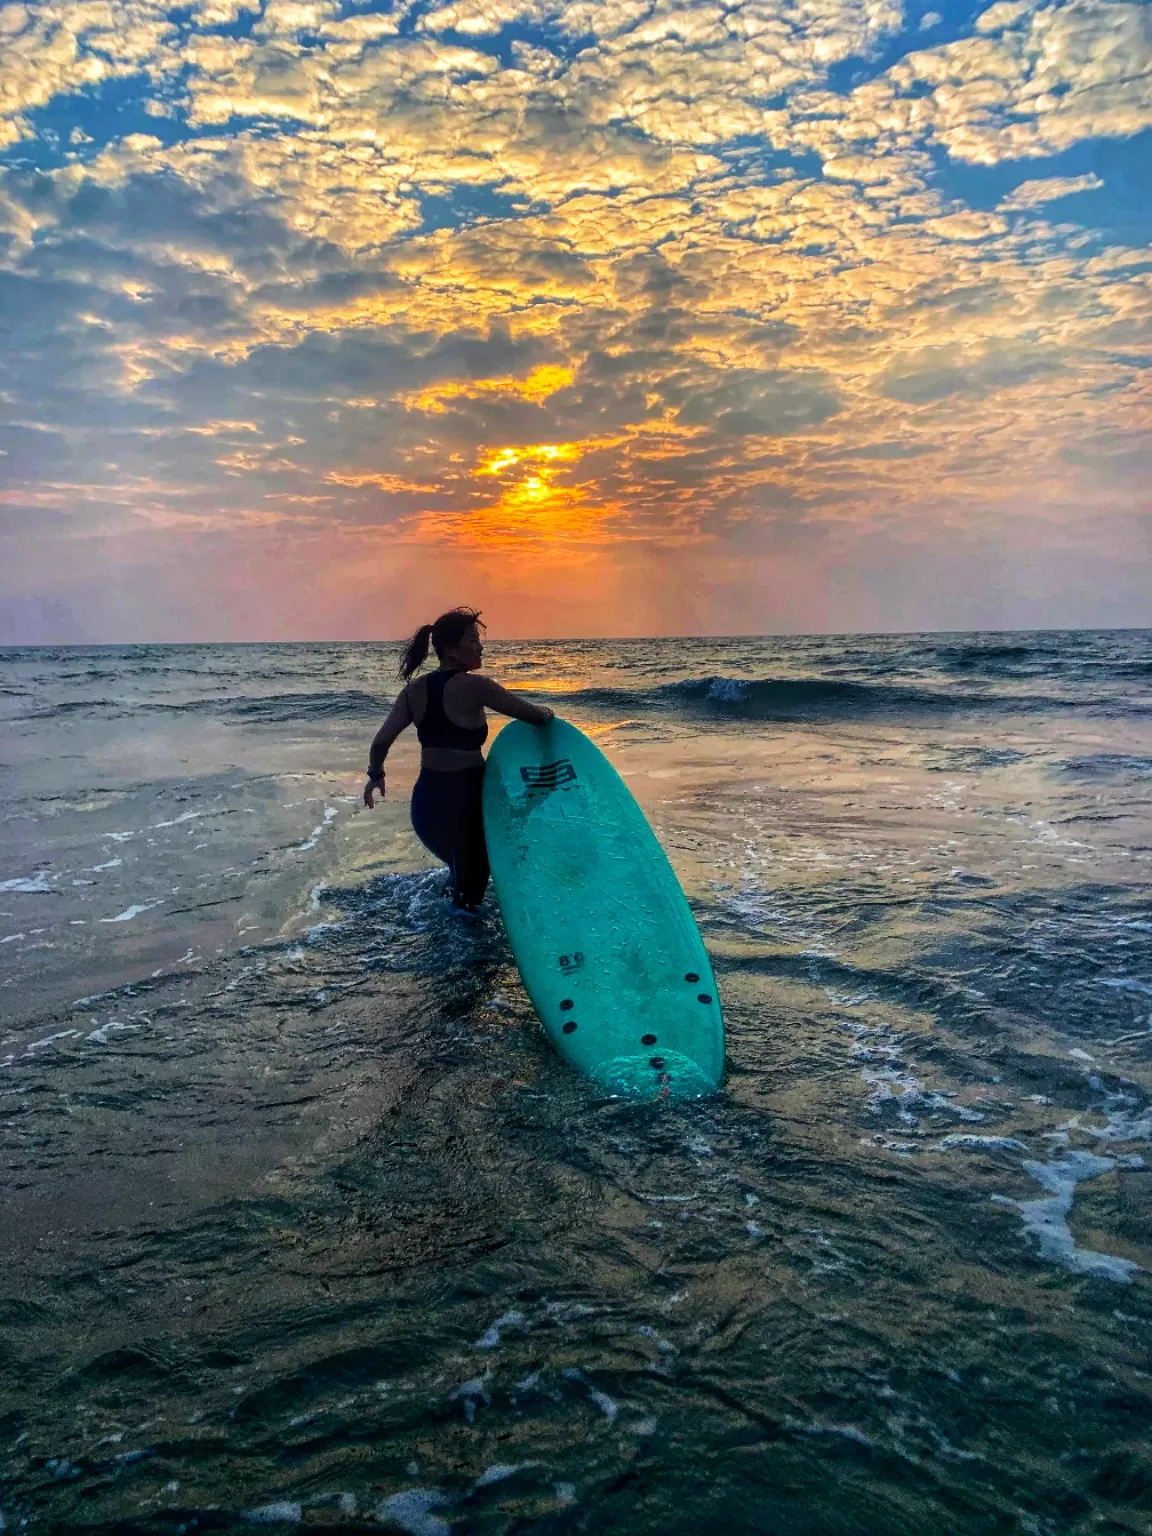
(436, 730)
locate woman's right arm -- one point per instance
(398, 720)
(492, 696)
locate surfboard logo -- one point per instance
(549, 775)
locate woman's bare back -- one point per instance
(461, 699)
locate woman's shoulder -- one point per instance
(476, 683)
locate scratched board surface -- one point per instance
(604, 940)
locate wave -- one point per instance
(769, 698)
(758, 698)
(284, 708)
(995, 658)
(272, 709)
(1107, 765)
(79, 707)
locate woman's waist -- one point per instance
(450, 759)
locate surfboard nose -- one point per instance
(659, 1075)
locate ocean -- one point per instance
(303, 1224)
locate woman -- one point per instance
(447, 709)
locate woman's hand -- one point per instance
(370, 789)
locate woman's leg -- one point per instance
(428, 819)
(447, 817)
(470, 852)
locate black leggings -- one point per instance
(447, 817)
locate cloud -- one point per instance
(943, 373)
(1032, 81)
(579, 276)
(751, 404)
(1032, 194)
(64, 46)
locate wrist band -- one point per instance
(374, 778)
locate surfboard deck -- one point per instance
(605, 942)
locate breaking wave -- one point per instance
(769, 698)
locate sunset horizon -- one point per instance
(671, 1056)
(647, 320)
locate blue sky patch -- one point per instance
(103, 114)
(956, 20)
(1120, 211)
(464, 205)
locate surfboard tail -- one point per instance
(668, 1075)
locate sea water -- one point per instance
(304, 1224)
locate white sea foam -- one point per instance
(330, 813)
(1046, 1218)
(500, 1473)
(491, 1338)
(904, 1089)
(412, 1511)
(470, 1393)
(1125, 984)
(29, 885)
(1124, 1119)
(101, 1035)
(895, 1084)
(727, 690)
(605, 1404)
(133, 911)
(274, 1514)
(845, 1431)
(889, 1144)
(1124, 1125)
(981, 1142)
(36, 1045)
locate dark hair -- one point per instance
(449, 629)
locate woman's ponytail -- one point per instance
(416, 654)
(448, 630)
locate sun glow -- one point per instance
(537, 387)
(530, 502)
(500, 460)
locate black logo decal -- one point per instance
(573, 962)
(549, 775)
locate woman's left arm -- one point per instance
(399, 719)
(489, 693)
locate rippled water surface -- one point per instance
(304, 1224)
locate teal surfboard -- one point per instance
(603, 937)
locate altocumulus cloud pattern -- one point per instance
(633, 315)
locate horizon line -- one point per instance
(798, 634)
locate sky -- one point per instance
(639, 317)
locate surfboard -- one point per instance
(604, 939)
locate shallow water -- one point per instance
(303, 1223)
